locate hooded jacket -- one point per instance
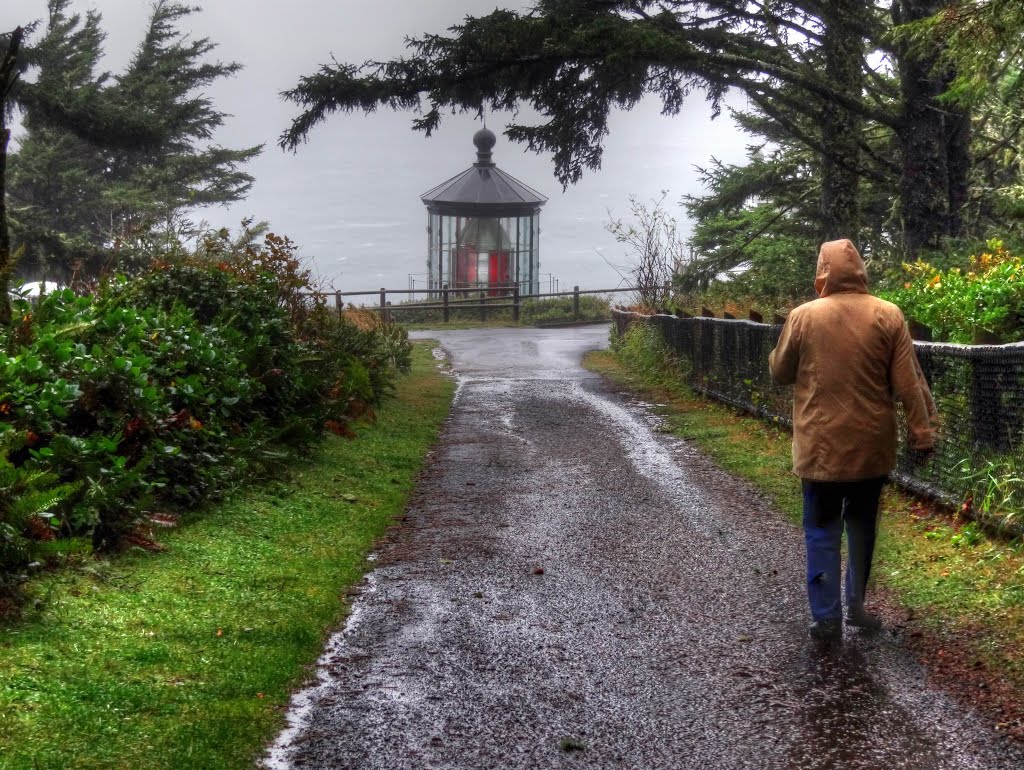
(850, 357)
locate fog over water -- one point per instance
(350, 197)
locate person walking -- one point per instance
(849, 357)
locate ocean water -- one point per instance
(351, 197)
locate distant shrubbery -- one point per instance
(531, 311)
(160, 391)
(593, 307)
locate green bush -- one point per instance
(125, 401)
(643, 350)
(27, 500)
(980, 302)
(165, 389)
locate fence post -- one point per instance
(515, 303)
(575, 303)
(444, 293)
(337, 303)
(383, 302)
(483, 305)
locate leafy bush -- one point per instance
(166, 388)
(983, 300)
(27, 500)
(125, 401)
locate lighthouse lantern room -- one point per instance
(483, 230)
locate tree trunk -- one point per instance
(958, 160)
(933, 140)
(5, 238)
(843, 48)
(8, 74)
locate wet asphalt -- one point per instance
(572, 588)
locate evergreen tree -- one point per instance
(55, 177)
(808, 66)
(79, 204)
(149, 187)
(979, 39)
(78, 106)
(757, 221)
(981, 55)
(760, 221)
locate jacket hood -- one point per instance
(840, 269)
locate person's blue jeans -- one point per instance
(828, 506)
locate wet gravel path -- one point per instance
(572, 589)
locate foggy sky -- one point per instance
(350, 196)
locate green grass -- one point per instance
(185, 659)
(961, 585)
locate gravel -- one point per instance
(571, 588)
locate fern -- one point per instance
(26, 494)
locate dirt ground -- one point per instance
(571, 588)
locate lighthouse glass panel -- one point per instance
(492, 254)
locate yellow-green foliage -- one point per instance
(962, 304)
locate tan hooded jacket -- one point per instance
(850, 358)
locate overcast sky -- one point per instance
(350, 197)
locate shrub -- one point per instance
(125, 401)
(965, 304)
(28, 497)
(168, 387)
(642, 348)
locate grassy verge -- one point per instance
(184, 659)
(959, 592)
